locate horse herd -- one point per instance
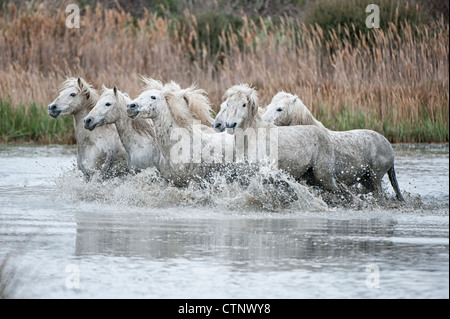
(172, 129)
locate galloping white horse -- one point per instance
(361, 155)
(138, 137)
(100, 151)
(196, 99)
(191, 152)
(301, 149)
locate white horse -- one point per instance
(100, 151)
(302, 150)
(191, 152)
(138, 137)
(196, 99)
(361, 155)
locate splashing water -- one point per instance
(266, 189)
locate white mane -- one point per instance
(196, 99)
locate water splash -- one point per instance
(267, 189)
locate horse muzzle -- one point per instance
(231, 127)
(53, 111)
(218, 127)
(132, 110)
(89, 123)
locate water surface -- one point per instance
(136, 238)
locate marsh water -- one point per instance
(136, 237)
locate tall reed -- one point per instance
(394, 80)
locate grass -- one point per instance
(393, 80)
(33, 124)
(422, 130)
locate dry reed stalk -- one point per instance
(396, 75)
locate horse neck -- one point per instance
(124, 127)
(257, 122)
(78, 121)
(317, 123)
(310, 119)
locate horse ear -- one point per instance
(253, 104)
(253, 107)
(83, 88)
(181, 94)
(185, 96)
(103, 88)
(81, 85)
(168, 96)
(115, 90)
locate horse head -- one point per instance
(287, 109)
(75, 93)
(108, 108)
(279, 111)
(239, 109)
(147, 105)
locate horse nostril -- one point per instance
(228, 125)
(132, 105)
(217, 125)
(87, 121)
(52, 107)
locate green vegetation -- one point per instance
(21, 123)
(335, 14)
(421, 130)
(33, 124)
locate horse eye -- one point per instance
(73, 94)
(244, 105)
(279, 109)
(108, 104)
(153, 97)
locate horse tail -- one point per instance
(394, 183)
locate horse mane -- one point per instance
(143, 127)
(300, 115)
(196, 99)
(84, 88)
(151, 84)
(244, 90)
(180, 111)
(172, 86)
(199, 105)
(140, 126)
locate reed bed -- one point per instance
(393, 80)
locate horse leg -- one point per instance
(368, 181)
(330, 183)
(326, 177)
(308, 177)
